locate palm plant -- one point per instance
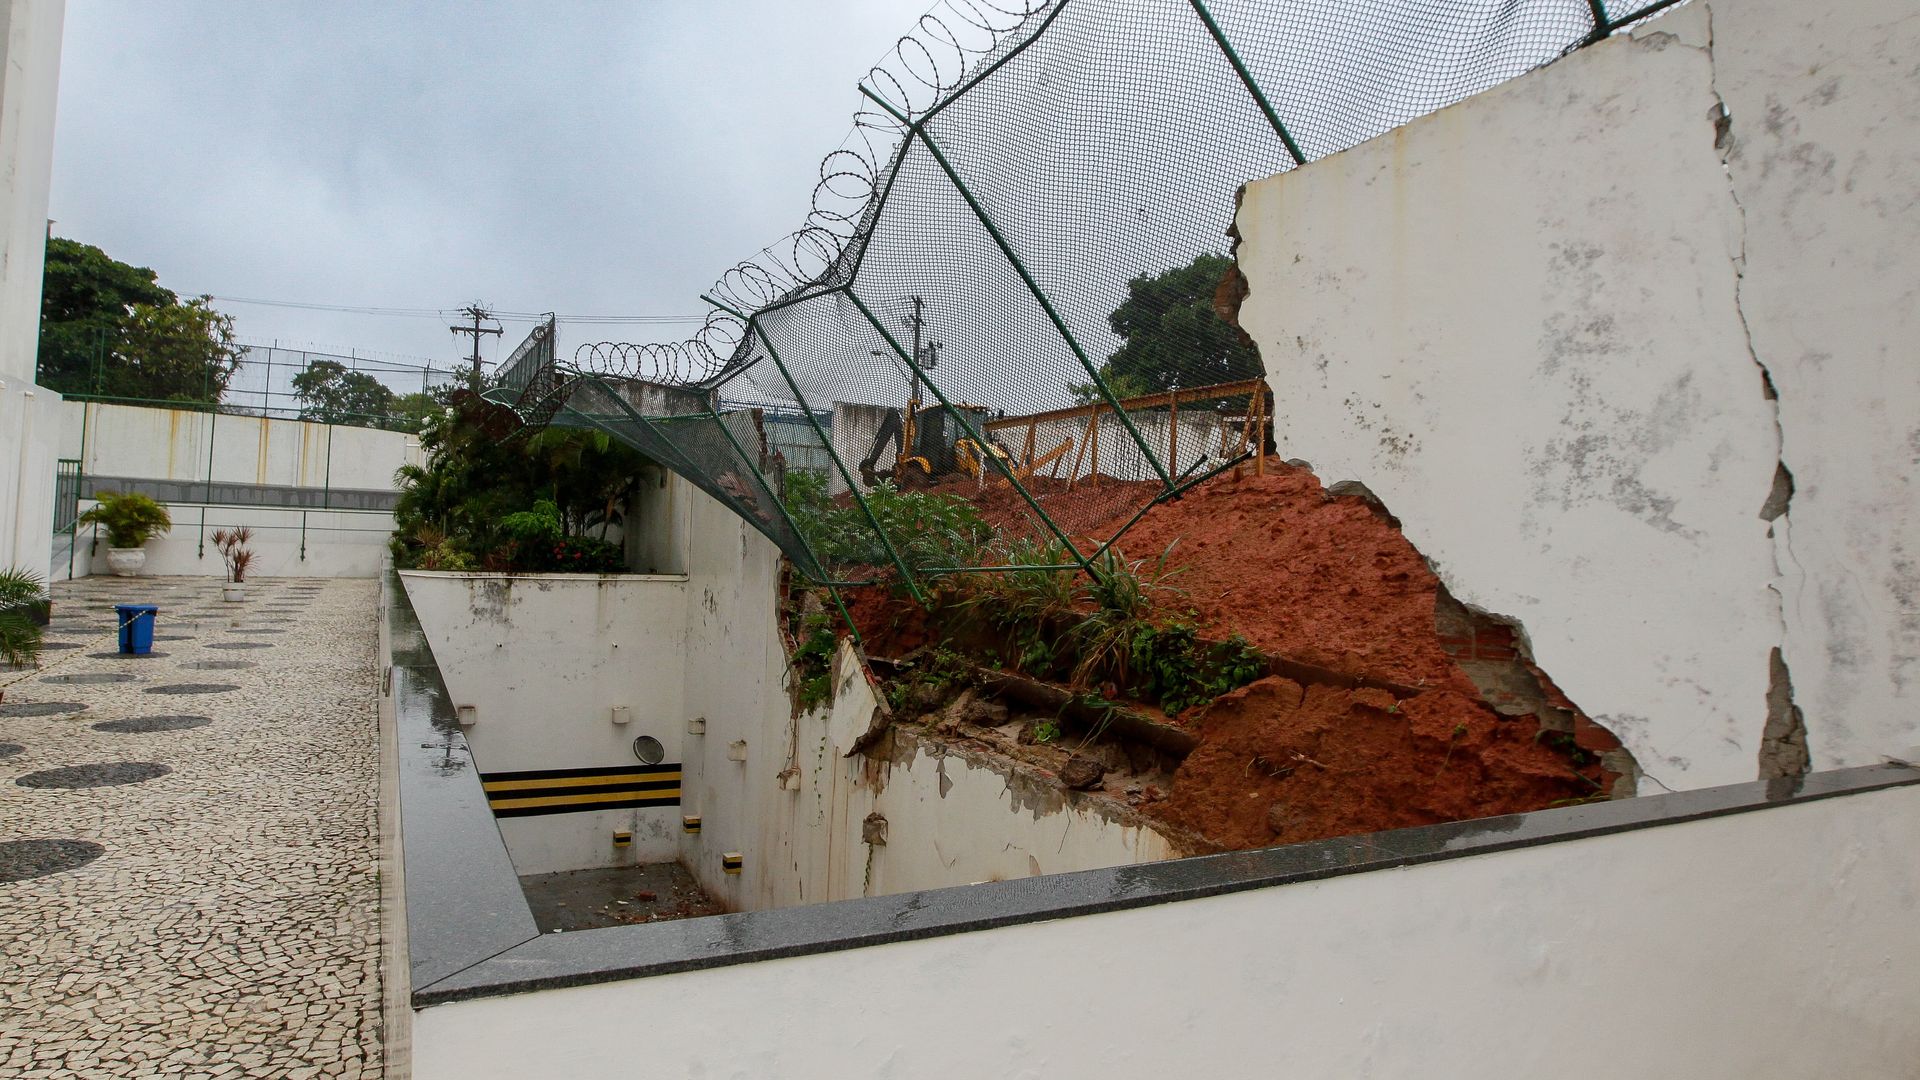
(130, 520)
(20, 633)
(232, 545)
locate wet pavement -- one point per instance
(188, 880)
(615, 896)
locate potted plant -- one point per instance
(130, 520)
(22, 618)
(232, 545)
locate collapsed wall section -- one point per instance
(1549, 329)
(815, 819)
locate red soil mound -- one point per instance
(1279, 763)
(1301, 574)
(1328, 582)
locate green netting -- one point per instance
(1010, 290)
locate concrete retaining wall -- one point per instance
(1685, 947)
(1639, 374)
(544, 659)
(219, 471)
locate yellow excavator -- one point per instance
(924, 450)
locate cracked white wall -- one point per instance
(1540, 326)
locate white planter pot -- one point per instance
(126, 562)
(233, 594)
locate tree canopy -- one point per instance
(1172, 336)
(463, 508)
(329, 393)
(111, 329)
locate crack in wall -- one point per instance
(1783, 742)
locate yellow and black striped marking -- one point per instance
(569, 791)
(731, 862)
(690, 823)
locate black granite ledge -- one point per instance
(472, 935)
(626, 952)
(463, 898)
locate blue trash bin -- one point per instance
(136, 627)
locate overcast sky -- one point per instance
(586, 158)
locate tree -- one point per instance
(329, 393)
(477, 476)
(412, 412)
(109, 328)
(1173, 335)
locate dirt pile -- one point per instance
(1279, 763)
(1318, 579)
(1329, 582)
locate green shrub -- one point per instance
(130, 520)
(578, 555)
(1176, 672)
(21, 595)
(540, 525)
(813, 662)
(927, 529)
(481, 477)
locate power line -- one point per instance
(440, 313)
(479, 315)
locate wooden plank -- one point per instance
(1073, 475)
(1147, 401)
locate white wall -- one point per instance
(952, 816)
(1824, 164)
(544, 658)
(1535, 324)
(124, 441)
(29, 84)
(29, 425)
(1676, 951)
(180, 444)
(336, 544)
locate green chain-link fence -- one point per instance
(1011, 287)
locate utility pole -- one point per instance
(924, 356)
(478, 314)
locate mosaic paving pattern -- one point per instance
(193, 688)
(90, 677)
(140, 725)
(105, 774)
(219, 919)
(21, 860)
(36, 708)
(128, 657)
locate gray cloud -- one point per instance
(584, 157)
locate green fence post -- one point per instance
(213, 421)
(687, 470)
(1033, 286)
(1246, 77)
(986, 448)
(853, 488)
(1601, 26)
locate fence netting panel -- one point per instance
(1012, 296)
